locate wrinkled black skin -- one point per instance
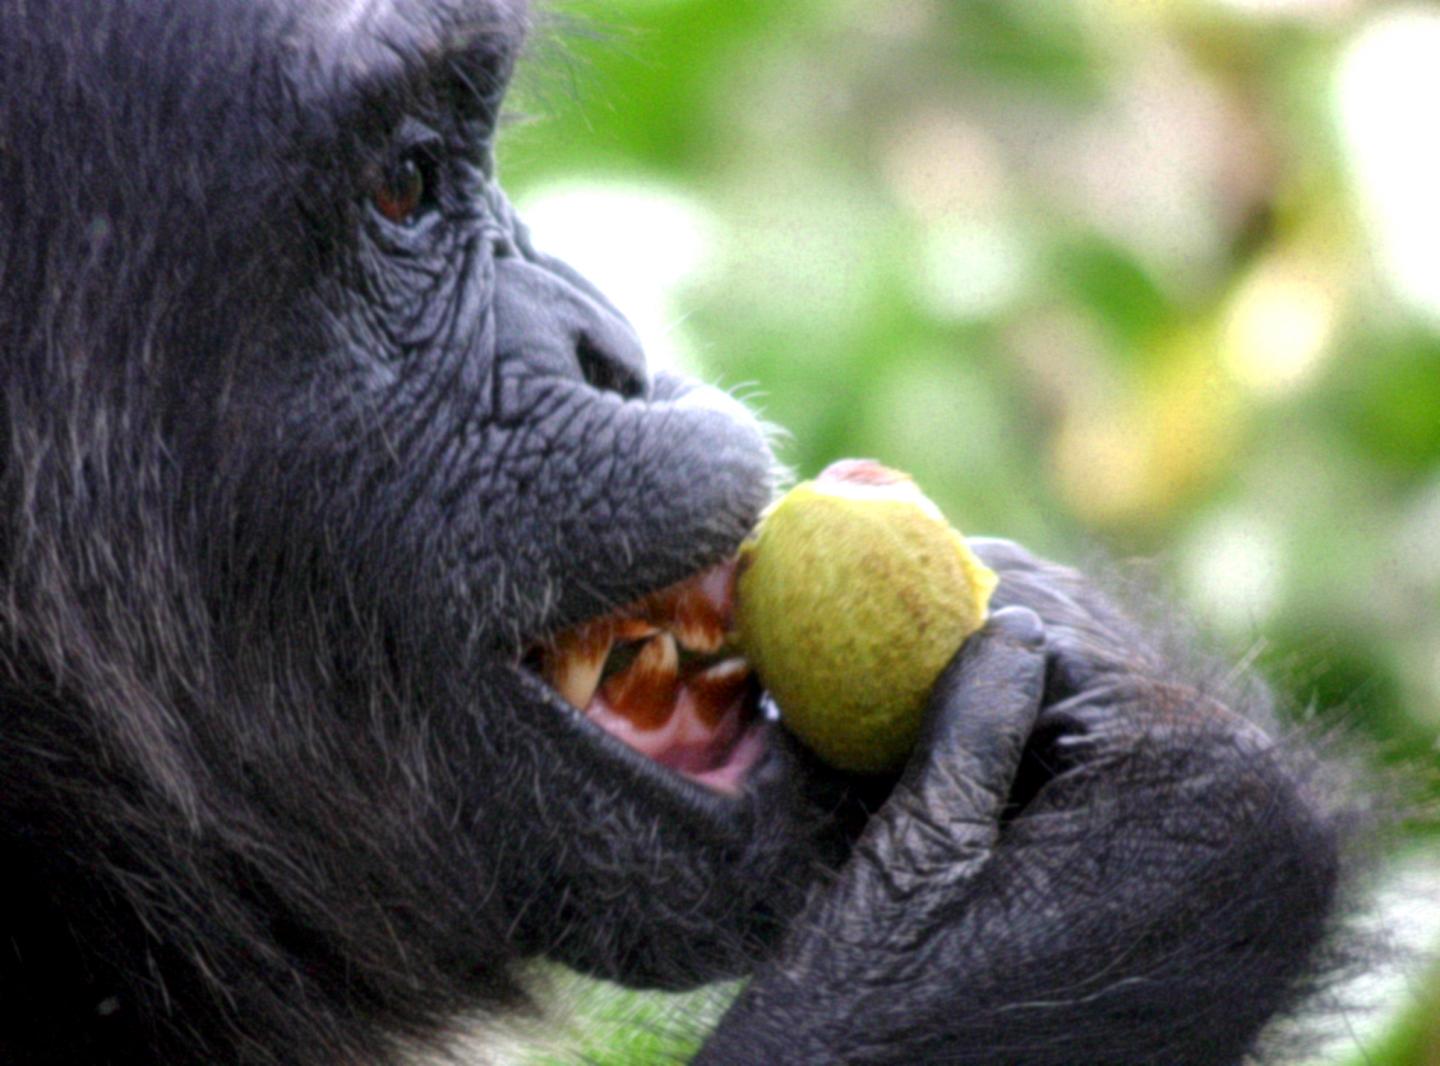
(288, 488)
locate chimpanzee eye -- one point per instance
(405, 189)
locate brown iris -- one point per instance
(402, 192)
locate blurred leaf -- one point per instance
(1109, 281)
(1388, 400)
(1037, 43)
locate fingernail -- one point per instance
(1021, 624)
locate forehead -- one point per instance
(237, 89)
(341, 18)
(356, 43)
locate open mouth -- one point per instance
(661, 675)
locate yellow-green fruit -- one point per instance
(853, 594)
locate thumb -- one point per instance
(982, 709)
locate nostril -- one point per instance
(602, 371)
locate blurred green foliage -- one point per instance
(1153, 274)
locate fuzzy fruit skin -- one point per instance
(853, 594)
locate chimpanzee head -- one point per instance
(312, 466)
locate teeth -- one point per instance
(640, 647)
(717, 689)
(634, 629)
(695, 634)
(574, 665)
(726, 675)
(645, 693)
(577, 680)
(698, 610)
(701, 611)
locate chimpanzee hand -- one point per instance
(861, 949)
(1109, 685)
(1146, 891)
(1089, 641)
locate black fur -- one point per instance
(287, 489)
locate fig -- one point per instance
(853, 593)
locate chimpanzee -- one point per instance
(312, 465)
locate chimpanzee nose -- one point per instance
(545, 307)
(613, 359)
(560, 324)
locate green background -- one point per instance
(1149, 277)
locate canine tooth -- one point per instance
(577, 680)
(574, 665)
(644, 693)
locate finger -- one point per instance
(1002, 555)
(1058, 594)
(1087, 639)
(981, 711)
(943, 816)
(1048, 589)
